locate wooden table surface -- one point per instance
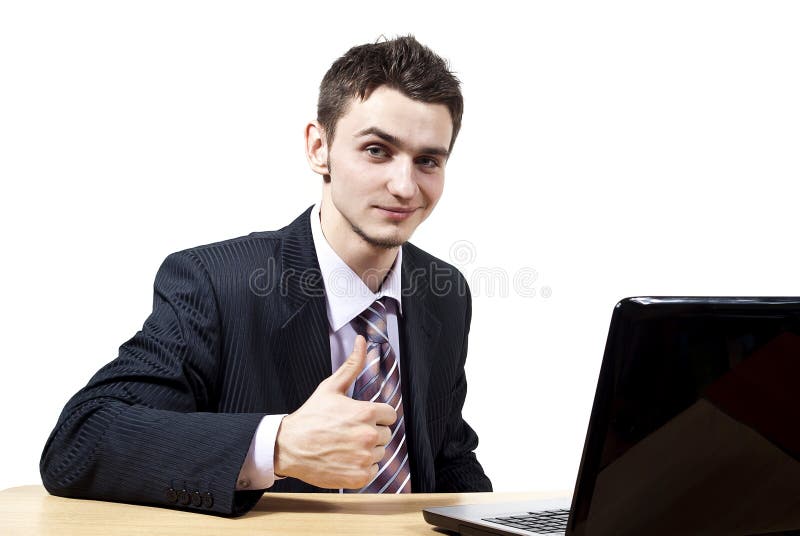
(30, 511)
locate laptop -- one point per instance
(695, 428)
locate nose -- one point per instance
(401, 182)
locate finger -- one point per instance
(341, 380)
(378, 453)
(373, 472)
(384, 414)
(384, 435)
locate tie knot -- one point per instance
(371, 323)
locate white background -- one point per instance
(616, 149)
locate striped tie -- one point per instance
(380, 382)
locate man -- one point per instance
(240, 379)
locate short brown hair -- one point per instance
(403, 64)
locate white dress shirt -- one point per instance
(346, 296)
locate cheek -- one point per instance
(351, 170)
(432, 187)
(346, 179)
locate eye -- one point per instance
(377, 151)
(428, 162)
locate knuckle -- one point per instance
(367, 477)
(372, 436)
(388, 412)
(360, 479)
(366, 413)
(364, 459)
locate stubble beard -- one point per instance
(383, 243)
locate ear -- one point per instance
(317, 148)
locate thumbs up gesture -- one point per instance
(333, 441)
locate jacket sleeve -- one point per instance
(144, 429)
(457, 468)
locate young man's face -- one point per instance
(386, 164)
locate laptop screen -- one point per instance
(696, 422)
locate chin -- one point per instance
(387, 241)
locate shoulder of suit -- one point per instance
(269, 240)
(265, 241)
(246, 252)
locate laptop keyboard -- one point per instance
(544, 522)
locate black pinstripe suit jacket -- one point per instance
(239, 330)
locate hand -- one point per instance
(333, 441)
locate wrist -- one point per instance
(281, 453)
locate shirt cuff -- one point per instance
(258, 471)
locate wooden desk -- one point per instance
(29, 511)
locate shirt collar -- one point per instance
(346, 295)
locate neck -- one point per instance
(371, 263)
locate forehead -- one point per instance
(418, 124)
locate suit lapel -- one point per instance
(303, 335)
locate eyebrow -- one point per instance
(394, 140)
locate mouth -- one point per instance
(396, 213)
(401, 210)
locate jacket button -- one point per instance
(183, 497)
(172, 495)
(197, 500)
(208, 500)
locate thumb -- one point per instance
(351, 368)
